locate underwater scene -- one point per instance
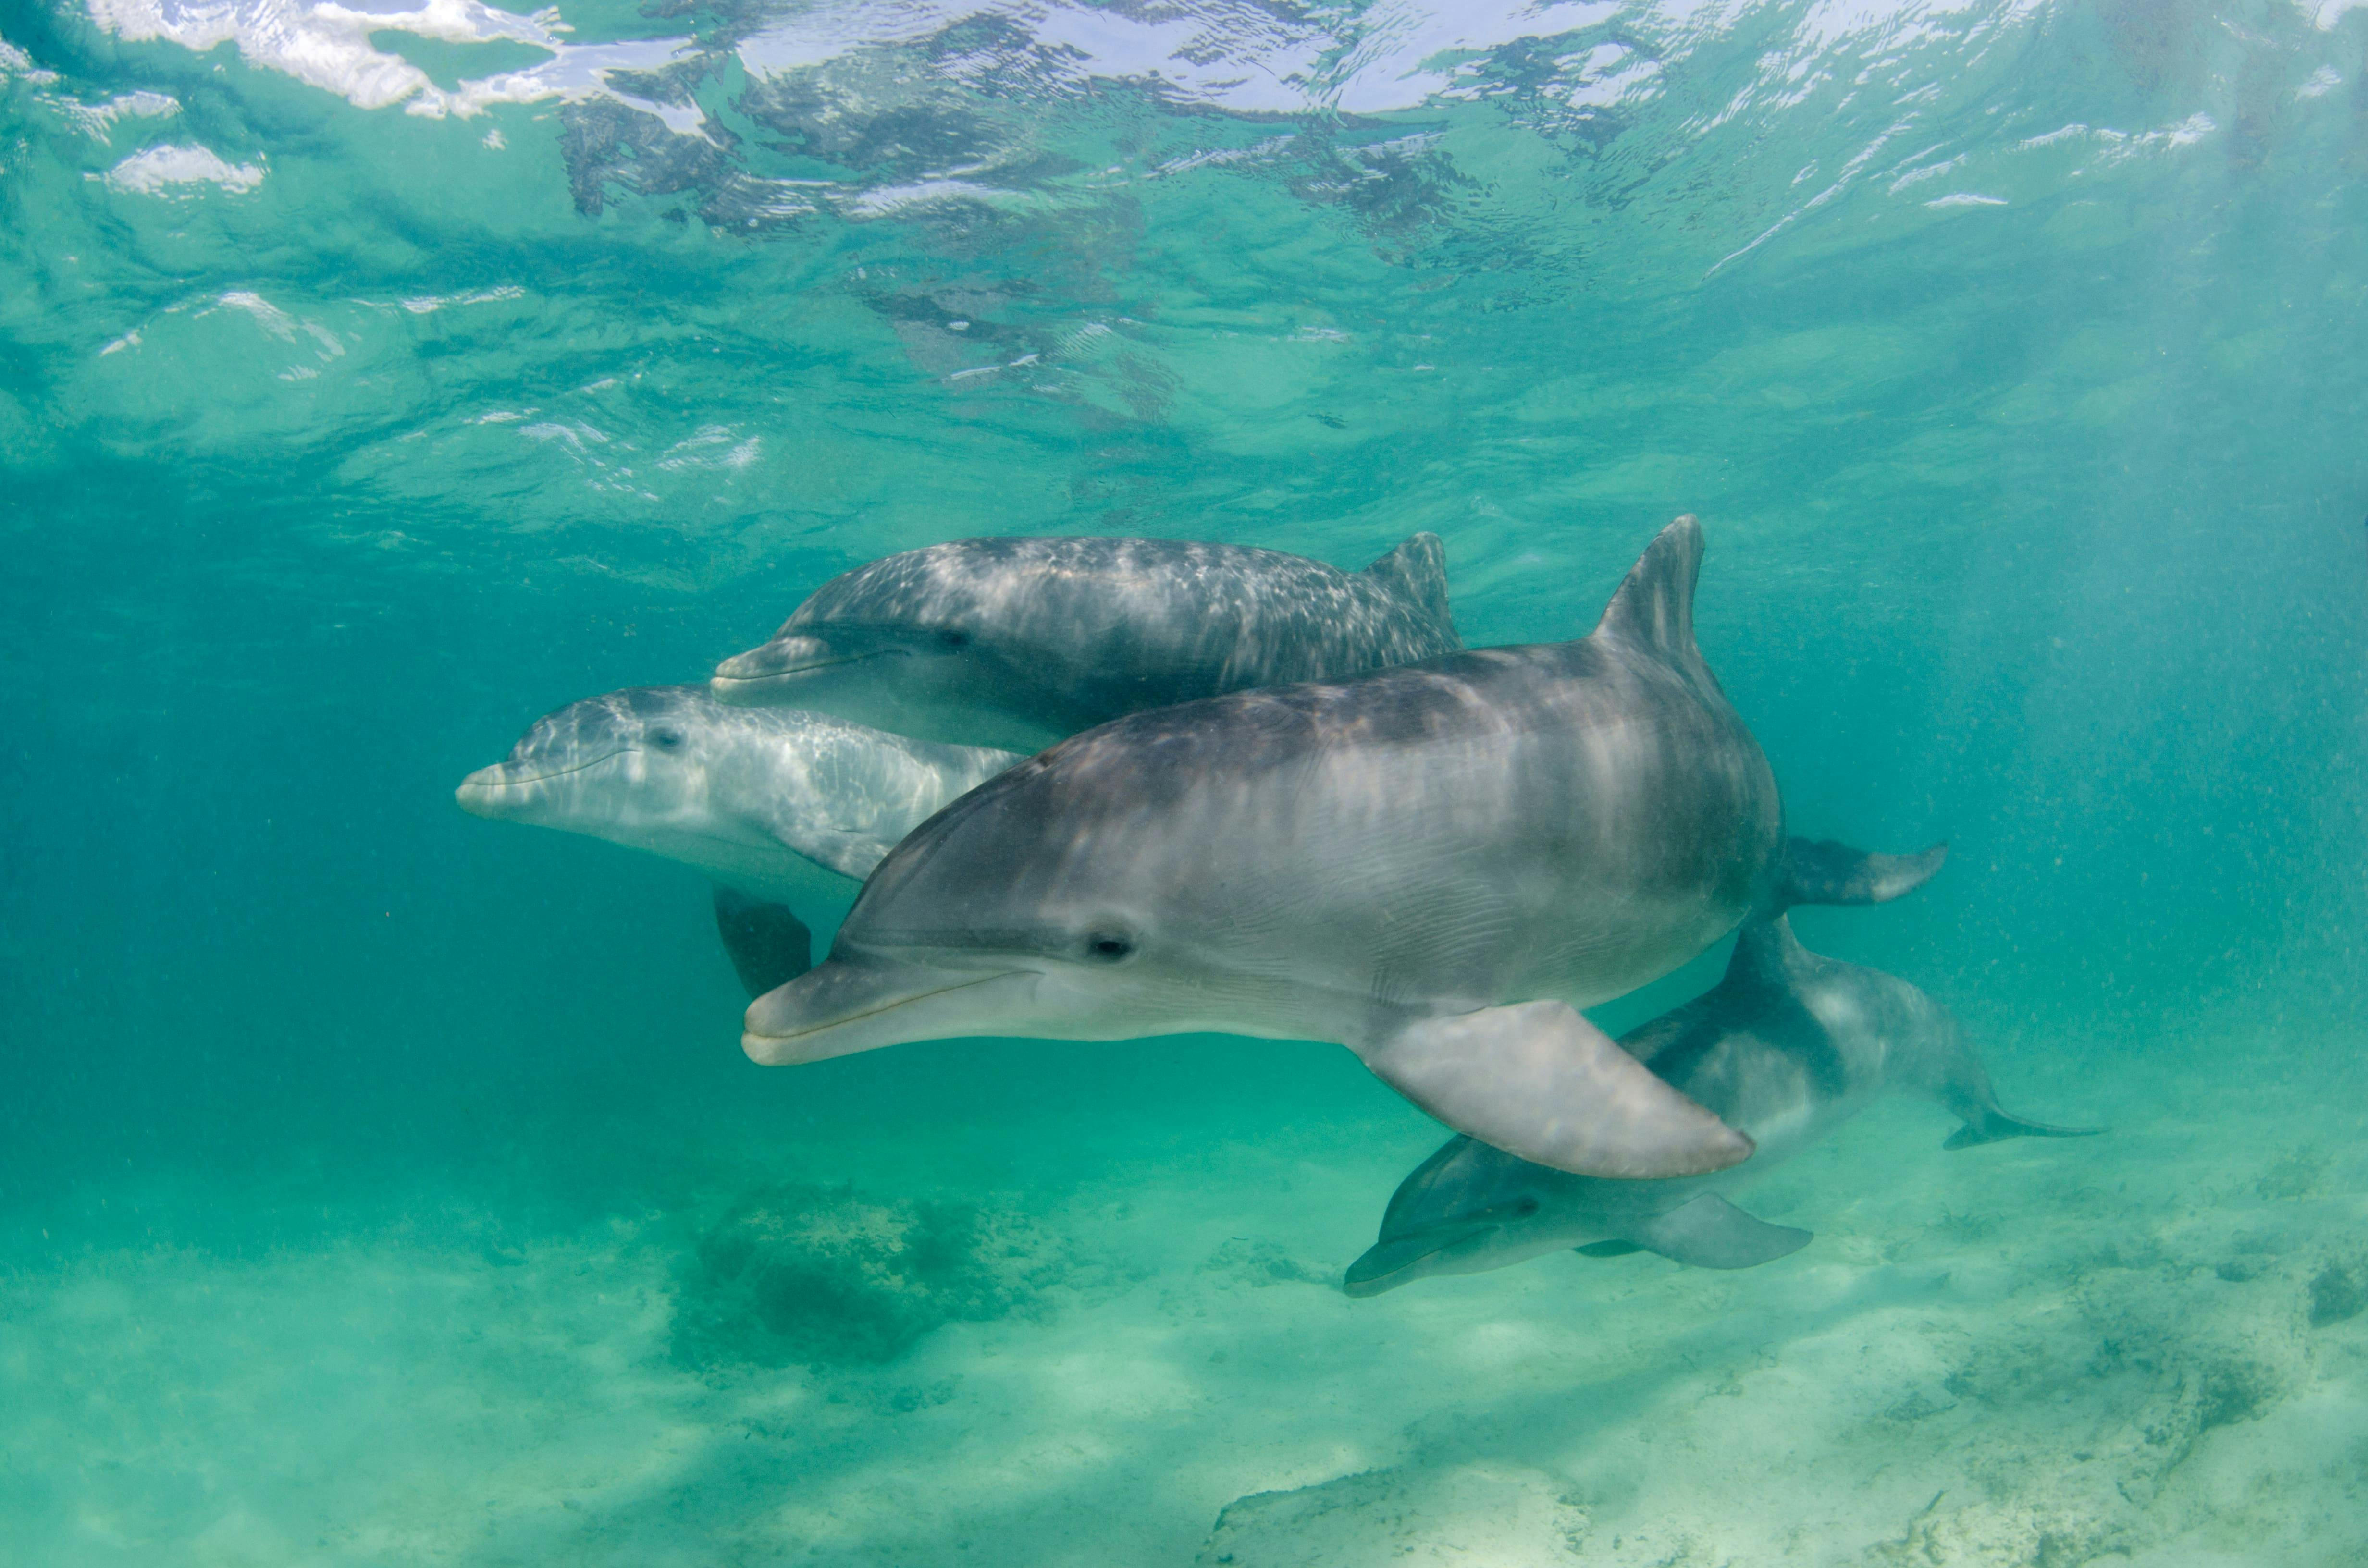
(1292, 783)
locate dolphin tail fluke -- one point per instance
(1994, 1126)
(1819, 870)
(1416, 571)
(1538, 1081)
(1711, 1233)
(769, 945)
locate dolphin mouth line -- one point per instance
(806, 669)
(1363, 1285)
(890, 1007)
(1374, 1284)
(555, 773)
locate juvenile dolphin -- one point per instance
(1787, 1048)
(1020, 641)
(1435, 865)
(791, 806)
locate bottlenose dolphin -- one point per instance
(1021, 642)
(789, 806)
(1788, 1047)
(1435, 865)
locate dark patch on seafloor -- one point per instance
(797, 1274)
(2338, 1292)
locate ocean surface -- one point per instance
(374, 380)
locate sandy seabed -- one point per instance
(2148, 1348)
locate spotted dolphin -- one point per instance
(1021, 642)
(1787, 1047)
(1435, 865)
(794, 808)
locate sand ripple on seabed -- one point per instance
(2005, 1366)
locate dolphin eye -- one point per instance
(1526, 1207)
(950, 638)
(1106, 946)
(666, 740)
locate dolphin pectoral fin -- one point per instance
(769, 945)
(1820, 870)
(1711, 1233)
(1538, 1081)
(1995, 1126)
(1608, 1249)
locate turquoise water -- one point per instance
(378, 380)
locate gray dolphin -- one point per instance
(1020, 641)
(1435, 865)
(791, 806)
(1788, 1047)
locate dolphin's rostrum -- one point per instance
(1435, 865)
(1020, 641)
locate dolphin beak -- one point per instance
(840, 1007)
(509, 789)
(1385, 1265)
(489, 791)
(761, 674)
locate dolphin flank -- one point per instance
(1436, 865)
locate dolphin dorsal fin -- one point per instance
(1767, 954)
(1654, 608)
(1416, 571)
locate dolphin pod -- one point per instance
(1026, 638)
(1787, 1047)
(1289, 805)
(1022, 641)
(1436, 865)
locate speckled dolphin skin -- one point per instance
(1021, 642)
(1435, 865)
(1787, 1047)
(778, 802)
